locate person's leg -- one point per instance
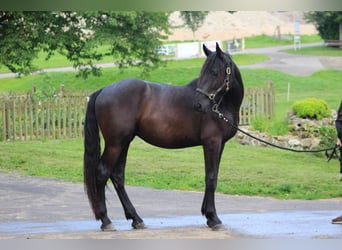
(337, 220)
(340, 163)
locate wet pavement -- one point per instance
(288, 224)
(34, 207)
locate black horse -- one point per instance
(165, 116)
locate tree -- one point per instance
(193, 19)
(133, 37)
(327, 23)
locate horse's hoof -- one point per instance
(108, 228)
(139, 225)
(217, 227)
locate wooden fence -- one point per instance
(28, 118)
(257, 102)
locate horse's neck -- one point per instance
(233, 99)
(192, 84)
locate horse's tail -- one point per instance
(92, 152)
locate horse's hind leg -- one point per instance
(101, 180)
(118, 179)
(104, 170)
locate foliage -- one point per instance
(326, 22)
(132, 35)
(327, 135)
(313, 108)
(193, 19)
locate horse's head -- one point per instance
(214, 80)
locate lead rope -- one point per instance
(221, 116)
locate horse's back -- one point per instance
(161, 114)
(120, 90)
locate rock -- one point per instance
(306, 143)
(294, 142)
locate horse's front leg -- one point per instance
(212, 156)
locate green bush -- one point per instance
(312, 108)
(327, 136)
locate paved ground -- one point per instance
(300, 65)
(33, 207)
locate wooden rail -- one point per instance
(24, 117)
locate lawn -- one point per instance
(316, 51)
(244, 170)
(262, 41)
(59, 60)
(178, 72)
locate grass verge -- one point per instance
(244, 170)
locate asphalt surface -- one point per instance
(33, 207)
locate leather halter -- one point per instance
(211, 96)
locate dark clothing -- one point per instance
(338, 124)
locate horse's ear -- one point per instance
(219, 51)
(206, 51)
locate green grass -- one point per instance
(244, 170)
(316, 51)
(177, 72)
(58, 60)
(323, 84)
(262, 41)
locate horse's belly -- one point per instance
(175, 136)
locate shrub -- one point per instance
(327, 136)
(312, 108)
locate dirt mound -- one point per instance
(222, 25)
